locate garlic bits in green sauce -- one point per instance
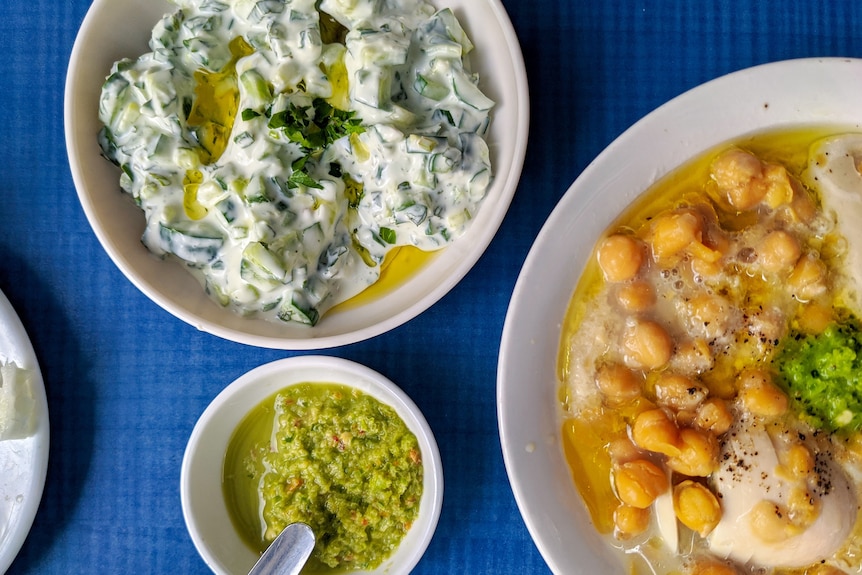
(334, 458)
(281, 149)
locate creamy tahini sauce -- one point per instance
(190, 125)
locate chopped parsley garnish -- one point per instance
(312, 127)
(249, 114)
(388, 235)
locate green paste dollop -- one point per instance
(822, 374)
(335, 458)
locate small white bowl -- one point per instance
(114, 29)
(810, 92)
(204, 507)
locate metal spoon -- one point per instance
(288, 553)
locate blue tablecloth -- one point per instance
(126, 381)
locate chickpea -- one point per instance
(778, 251)
(799, 461)
(637, 296)
(738, 175)
(648, 344)
(778, 185)
(804, 507)
(654, 430)
(698, 455)
(802, 205)
(620, 257)
(808, 278)
(759, 395)
(674, 232)
(703, 253)
(618, 384)
(713, 567)
(714, 416)
(704, 268)
(639, 482)
(679, 392)
(771, 523)
(815, 317)
(710, 314)
(824, 569)
(696, 507)
(622, 450)
(684, 418)
(630, 521)
(693, 357)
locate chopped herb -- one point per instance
(388, 235)
(299, 177)
(314, 128)
(249, 114)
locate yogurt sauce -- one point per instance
(281, 151)
(835, 167)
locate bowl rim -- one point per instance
(351, 328)
(233, 403)
(533, 451)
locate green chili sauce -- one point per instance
(332, 457)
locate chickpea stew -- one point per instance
(691, 455)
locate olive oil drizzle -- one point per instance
(216, 102)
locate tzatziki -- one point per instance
(280, 149)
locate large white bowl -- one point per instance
(204, 507)
(114, 29)
(792, 93)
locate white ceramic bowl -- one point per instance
(204, 507)
(24, 461)
(114, 29)
(793, 93)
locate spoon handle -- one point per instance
(288, 553)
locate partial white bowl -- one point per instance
(204, 508)
(24, 461)
(114, 29)
(817, 92)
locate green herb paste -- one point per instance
(822, 374)
(334, 458)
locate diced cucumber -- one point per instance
(429, 88)
(264, 261)
(440, 47)
(194, 244)
(413, 213)
(416, 144)
(255, 191)
(257, 90)
(256, 10)
(386, 134)
(298, 309)
(372, 88)
(327, 263)
(441, 163)
(382, 48)
(469, 93)
(459, 219)
(445, 20)
(313, 236)
(228, 209)
(214, 291)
